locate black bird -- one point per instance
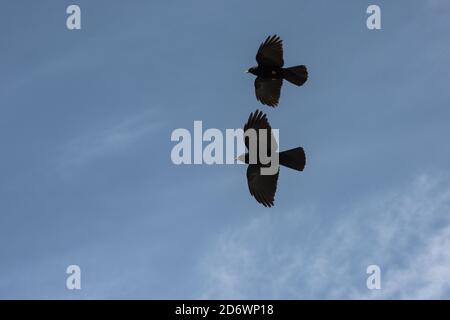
(263, 187)
(270, 72)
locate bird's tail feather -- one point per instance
(296, 75)
(294, 159)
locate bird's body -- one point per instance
(263, 186)
(270, 72)
(267, 72)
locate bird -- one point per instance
(270, 72)
(264, 186)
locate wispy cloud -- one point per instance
(108, 139)
(405, 231)
(427, 274)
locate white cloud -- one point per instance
(307, 254)
(427, 275)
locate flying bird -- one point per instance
(264, 186)
(270, 72)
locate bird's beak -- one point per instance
(246, 71)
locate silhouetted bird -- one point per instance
(270, 72)
(263, 187)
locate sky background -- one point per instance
(86, 176)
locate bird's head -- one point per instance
(243, 158)
(252, 70)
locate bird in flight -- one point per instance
(270, 72)
(264, 186)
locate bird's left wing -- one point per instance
(268, 90)
(262, 187)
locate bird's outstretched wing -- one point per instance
(267, 90)
(258, 120)
(262, 187)
(270, 52)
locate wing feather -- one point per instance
(262, 187)
(270, 52)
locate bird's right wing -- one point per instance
(270, 52)
(257, 121)
(262, 187)
(267, 90)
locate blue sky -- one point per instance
(86, 176)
